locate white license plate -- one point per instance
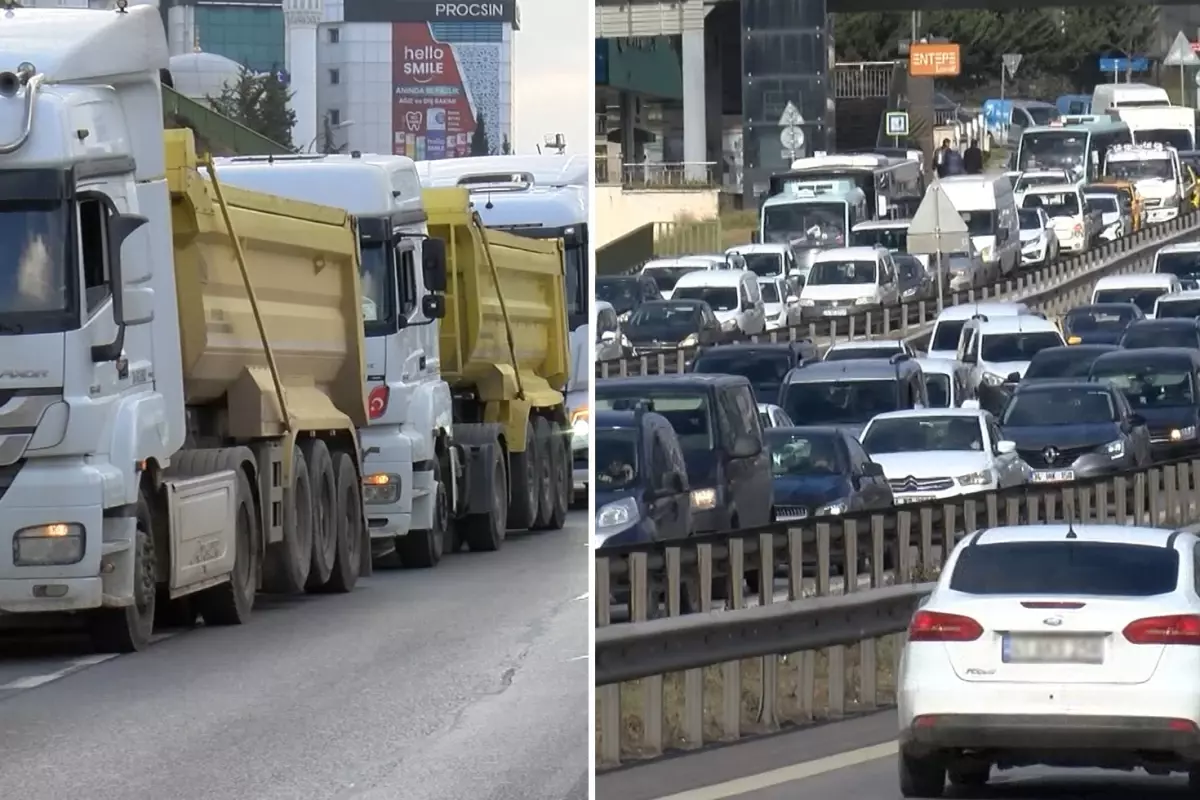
(837, 312)
(1018, 649)
(915, 498)
(1053, 475)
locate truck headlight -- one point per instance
(704, 499)
(381, 489)
(56, 544)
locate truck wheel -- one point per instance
(287, 563)
(486, 532)
(546, 474)
(325, 517)
(523, 489)
(424, 549)
(230, 603)
(348, 563)
(128, 630)
(563, 477)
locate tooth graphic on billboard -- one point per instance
(413, 120)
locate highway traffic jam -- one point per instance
(1061, 645)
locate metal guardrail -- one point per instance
(626, 254)
(1049, 288)
(660, 175)
(807, 661)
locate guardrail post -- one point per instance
(608, 716)
(770, 664)
(1084, 493)
(1190, 502)
(992, 505)
(1012, 511)
(904, 565)
(877, 551)
(953, 534)
(674, 581)
(693, 679)
(731, 671)
(1121, 498)
(1171, 479)
(927, 542)
(644, 603)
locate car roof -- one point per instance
(809, 430)
(1116, 534)
(866, 344)
(1042, 172)
(1166, 322)
(1077, 348)
(1148, 280)
(881, 224)
(965, 311)
(907, 413)
(683, 378)
(1180, 247)
(940, 366)
(1104, 306)
(1187, 294)
(847, 254)
(1026, 323)
(1052, 188)
(1060, 384)
(853, 368)
(760, 247)
(713, 277)
(1165, 353)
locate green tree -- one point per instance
(260, 102)
(869, 35)
(479, 139)
(1123, 30)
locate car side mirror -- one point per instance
(1013, 377)
(1136, 420)
(746, 447)
(608, 337)
(872, 470)
(1005, 448)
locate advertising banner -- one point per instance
(430, 11)
(445, 97)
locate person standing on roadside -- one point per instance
(973, 159)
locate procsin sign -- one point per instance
(431, 11)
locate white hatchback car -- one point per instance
(1054, 645)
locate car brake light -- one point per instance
(935, 626)
(377, 401)
(1173, 629)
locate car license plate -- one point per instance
(1019, 649)
(1053, 475)
(913, 498)
(837, 312)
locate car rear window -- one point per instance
(1066, 568)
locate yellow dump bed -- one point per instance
(303, 265)
(474, 334)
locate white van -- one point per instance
(1185, 304)
(846, 279)
(989, 208)
(1142, 289)
(1107, 96)
(666, 271)
(947, 329)
(733, 295)
(1181, 260)
(1075, 226)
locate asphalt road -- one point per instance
(467, 681)
(852, 760)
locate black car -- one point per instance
(914, 281)
(670, 324)
(1179, 332)
(849, 393)
(1069, 430)
(641, 479)
(1099, 323)
(626, 292)
(821, 471)
(716, 420)
(765, 365)
(1160, 384)
(1065, 363)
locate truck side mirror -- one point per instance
(433, 265)
(433, 306)
(131, 306)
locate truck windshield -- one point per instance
(805, 224)
(1141, 169)
(33, 264)
(378, 305)
(1168, 137)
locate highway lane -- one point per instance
(851, 760)
(467, 681)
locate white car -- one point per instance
(1039, 243)
(780, 305)
(1031, 178)
(1057, 645)
(945, 381)
(868, 348)
(939, 453)
(772, 416)
(1074, 224)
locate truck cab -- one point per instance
(1155, 169)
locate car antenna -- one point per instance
(1070, 509)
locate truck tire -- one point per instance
(325, 516)
(564, 477)
(424, 549)
(347, 563)
(543, 431)
(230, 603)
(128, 630)
(486, 532)
(287, 563)
(523, 483)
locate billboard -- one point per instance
(445, 95)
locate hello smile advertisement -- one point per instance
(435, 111)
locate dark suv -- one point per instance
(849, 393)
(764, 365)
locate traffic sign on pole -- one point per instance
(896, 123)
(1011, 61)
(1180, 54)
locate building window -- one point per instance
(335, 35)
(335, 117)
(335, 76)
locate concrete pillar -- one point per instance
(628, 121)
(301, 18)
(695, 121)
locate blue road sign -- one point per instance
(1125, 64)
(896, 123)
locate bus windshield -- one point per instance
(807, 224)
(1063, 149)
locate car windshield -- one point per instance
(1059, 204)
(1141, 169)
(622, 294)
(770, 292)
(1093, 319)
(1149, 334)
(616, 458)
(1148, 385)
(1183, 265)
(658, 320)
(1030, 221)
(835, 273)
(1001, 347)
(764, 264)
(1142, 297)
(1082, 405)
(1027, 182)
(894, 239)
(838, 402)
(765, 371)
(1061, 149)
(937, 386)
(920, 434)
(667, 277)
(946, 334)
(800, 453)
(1061, 362)
(689, 414)
(853, 353)
(1066, 567)
(979, 223)
(719, 298)
(1178, 309)
(805, 224)
(1104, 203)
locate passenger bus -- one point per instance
(893, 186)
(1079, 148)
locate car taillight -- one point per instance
(935, 626)
(1173, 629)
(377, 401)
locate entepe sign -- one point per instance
(430, 11)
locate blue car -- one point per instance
(823, 471)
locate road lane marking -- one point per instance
(795, 772)
(578, 658)
(583, 596)
(34, 681)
